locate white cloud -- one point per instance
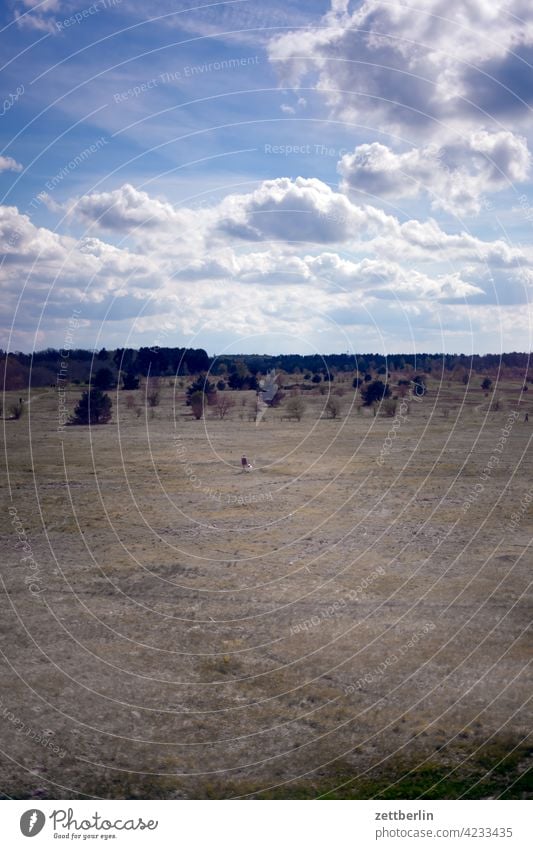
(36, 260)
(125, 208)
(32, 14)
(191, 243)
(455, 176)
(9, 164)
(300, 210)
(413, 67)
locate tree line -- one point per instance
(126, 365)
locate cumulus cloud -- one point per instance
(191, 244)
(456, 176)
(85, 272)
(125, 208)
(440, 62)
(300, 210)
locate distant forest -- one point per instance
(78, 366)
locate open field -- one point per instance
(336, 621)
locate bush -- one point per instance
(221, 385)
(196, 402)
(486, 384)
(374, 391)
(202, 384)
(94, 407)
(388, 408)
(295, 407)
(316, 378)
(153, 392)
(223, 406)
(419, 385)
(333, 408)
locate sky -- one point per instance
(282, 177)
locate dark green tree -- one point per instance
(103, 378)
(94, 407)
(130, 380)
(376, 390)
(202, 384)
(419, 385)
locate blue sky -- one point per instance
(247, 177)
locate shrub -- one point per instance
(196, 402)
(202, 384)
(153, 393)
(486, 384)
(223, 406)
(94, 407)
(333, 408)
(295, 407)
(374, 391)
(388, 408)
(221, 385)
(316, 378)
(419, 385)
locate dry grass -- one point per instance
(197, 629)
